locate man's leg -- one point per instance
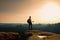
(31, 26)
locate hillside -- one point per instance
(55, 28)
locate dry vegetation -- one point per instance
(9, 35)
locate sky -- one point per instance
(18, 11)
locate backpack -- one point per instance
(28, 21)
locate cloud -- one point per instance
(13, 5)
(18, 5)
(21, 5)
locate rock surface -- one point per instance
(40, 35)
(29, 35)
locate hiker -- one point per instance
(29, 21)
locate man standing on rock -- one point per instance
(29, 21)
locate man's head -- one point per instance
(29, 17)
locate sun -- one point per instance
(49, 12)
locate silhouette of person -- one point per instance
(30, 23)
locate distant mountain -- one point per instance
(22, 27)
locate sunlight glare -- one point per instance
(49, 12)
